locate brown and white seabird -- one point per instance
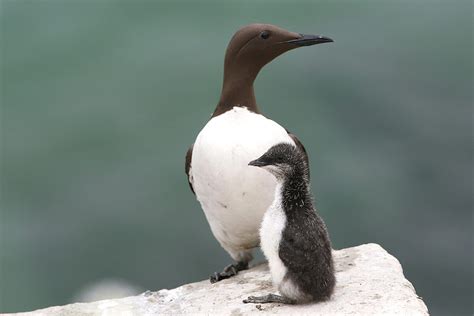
(233, 196)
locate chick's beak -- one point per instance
(257, 163)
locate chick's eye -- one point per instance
(265, 34)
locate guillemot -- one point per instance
(293, 236)
(233, 196)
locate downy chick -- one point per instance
(293, 236)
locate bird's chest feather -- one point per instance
(231, 192)
(273, 224)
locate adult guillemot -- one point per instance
(233, 196)
(293, 237)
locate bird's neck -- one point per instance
(295, 191)
(237, 90)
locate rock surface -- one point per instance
(369, 282)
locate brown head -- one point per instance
(251, 48)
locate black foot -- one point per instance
(270, 298)
(229, 271)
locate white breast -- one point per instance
(233, 195)
(273, 223)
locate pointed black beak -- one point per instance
(257, 163)
(308, 40)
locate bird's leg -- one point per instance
(229, 271)
(269, 298)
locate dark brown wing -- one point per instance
(300, 147)
(187, 166)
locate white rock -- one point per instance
(369, 282)
(106, 289)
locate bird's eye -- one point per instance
(265, 34)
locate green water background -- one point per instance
(100, 100)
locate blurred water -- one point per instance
(100, 101)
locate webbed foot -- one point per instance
(229, 271)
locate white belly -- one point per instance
(273, 224)
(233, 195)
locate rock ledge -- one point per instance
(369, 282)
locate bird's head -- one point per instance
(255, 45)
(282, 160)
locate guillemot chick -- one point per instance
(293, 236)
(233, 196)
